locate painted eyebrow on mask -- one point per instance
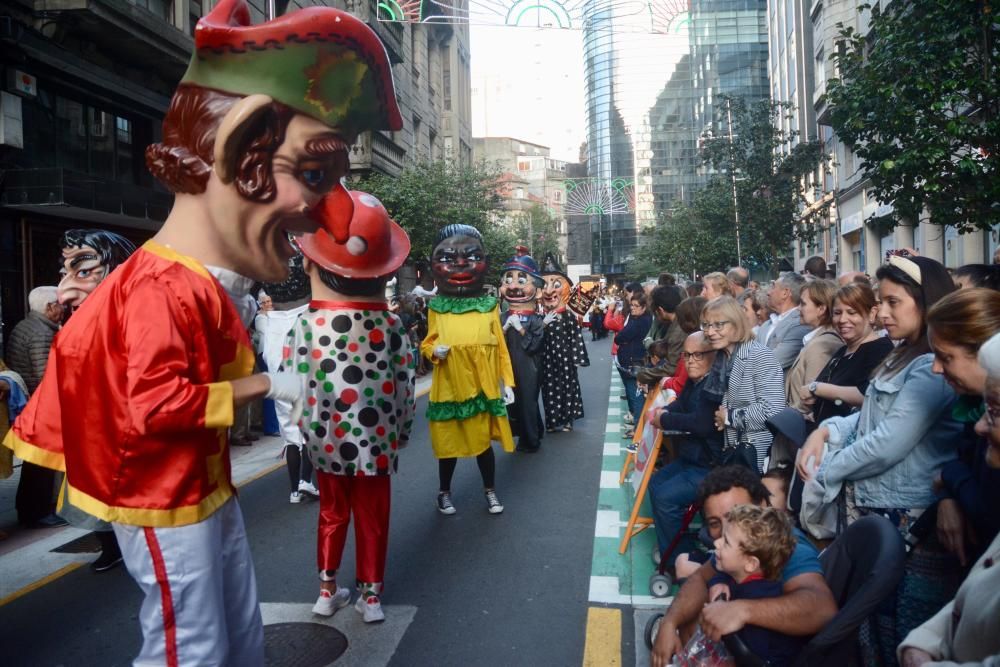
(325, 145)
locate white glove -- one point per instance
(549, 317)
(508, 394)
(515, 322)
(506, 325)
(287, 387)
(441, 351)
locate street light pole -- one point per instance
(732, 173)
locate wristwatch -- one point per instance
(812, 387)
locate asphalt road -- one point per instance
(509, 589)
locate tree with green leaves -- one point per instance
(427, 195)
(918, 99)
(538, 229)
(770, 177)
(770, 194)
(693, 238)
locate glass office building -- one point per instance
(651, 96)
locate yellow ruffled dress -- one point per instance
(466, 410)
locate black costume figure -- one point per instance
(524, 333)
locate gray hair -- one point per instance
(794, 283)
(989, 357)
(40, 297)
(738, 276)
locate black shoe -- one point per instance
(50, 521)
(107, 561)
(111, 553)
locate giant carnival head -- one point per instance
(557, 287)
(375, 249)
(458, 261)
(88, 256)
(258, 131)
(521, 282)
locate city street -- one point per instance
(471, 589)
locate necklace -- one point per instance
(867, 339)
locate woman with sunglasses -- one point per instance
(883, 459)
(746, 378)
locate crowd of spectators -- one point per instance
(894, 381)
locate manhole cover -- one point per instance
(302, 644)
(88, 544)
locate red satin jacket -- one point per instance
(136, 398)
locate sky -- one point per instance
(527, 83)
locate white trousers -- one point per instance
(201, 594)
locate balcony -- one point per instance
(129, 33)
(83, 197)
(373, 151)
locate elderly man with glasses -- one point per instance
(675, 486)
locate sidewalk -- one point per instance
(30, 558)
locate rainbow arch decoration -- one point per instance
(597, 196)
(655, 16)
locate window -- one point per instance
(194, 13)
(123, 152)
(72, 134)
(103, 130)
(161, 8)
(446, 81)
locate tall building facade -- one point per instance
(530, 178)
(84, 87)
(651, 98)
(859, 244)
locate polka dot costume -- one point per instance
(359, 370)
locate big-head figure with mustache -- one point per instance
(472, 379)
(520, 286)
(255, 136)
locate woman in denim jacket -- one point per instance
(885, 457)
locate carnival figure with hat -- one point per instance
(472, 378)
(354, 357)
(562, 352)
(256, 135)
(524, 330)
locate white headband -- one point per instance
(907, 266)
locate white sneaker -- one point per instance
(307, 487)
(295, 498)
(493, 503)
(327, 603)
(444, 503)
(370, 609)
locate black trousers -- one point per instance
(35, 493)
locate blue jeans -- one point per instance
(634, 398)
(671, 491)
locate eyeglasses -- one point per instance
(693, 356)
(717, 326)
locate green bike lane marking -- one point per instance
(619, 578)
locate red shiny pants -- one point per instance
(368, 499)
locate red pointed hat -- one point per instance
(320, 61)
(373, 246)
